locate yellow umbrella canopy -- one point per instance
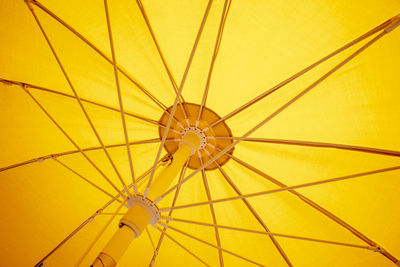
(295, 104)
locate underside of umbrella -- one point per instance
(192, 133)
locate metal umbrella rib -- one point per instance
(77, 97)
(196, 137)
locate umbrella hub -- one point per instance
(198, 132)
(142, 211)
(213, 136)
(145, 204)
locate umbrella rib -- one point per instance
(179, 244)
(300, 73)
(180, 90)
(42, 158)
(317, 207)
(171, 77)
(372, 248)
(319, 144)
(120, 69)
(287, 188)
(98, 51)
(305, 199)
(320, 209)
(221, 28)
(312, 204)
(209, 244)
(86, 180)
(74, 232)
(121, 105)
(69, 138)
(10, 82)
(255, 214)
(214, 218)
(99, 234)
(270, 117)
(151, 239)
(77, 97)
(112, 213)
(90, 219)
(204, 167)
(182, 174)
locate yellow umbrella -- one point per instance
(191, 133)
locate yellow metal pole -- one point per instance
(142, 211)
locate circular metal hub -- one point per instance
(212, 139)
(198, 132)
(146, 203)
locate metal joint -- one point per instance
(146, 203)
(167, 159)
(24, 87)
(394, 23)
(157, 200)
(380, 249)
(97, 213)
(41, 159)
(374, 248)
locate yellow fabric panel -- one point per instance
(273, 51)
(90, 73)
(28, 221)
(300, 219)
(236, 213)
(176, 31)
(264, 42)
(309, 164)
(24, 52)
(23, 126)
(367, 205)
(344, 106)
(311, 254)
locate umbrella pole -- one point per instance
(142, 211)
